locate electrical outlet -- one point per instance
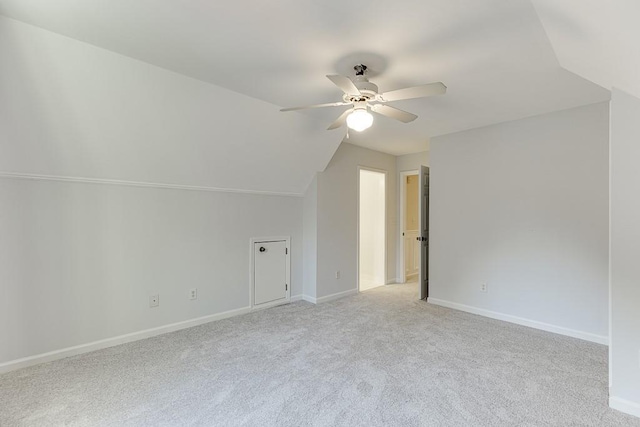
(154, 300)
(484, 287)
(338, 274)
(193, 293)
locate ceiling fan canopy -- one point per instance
(364, 95)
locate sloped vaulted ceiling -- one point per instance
(596, 39)
(189, 93)
(69, 109)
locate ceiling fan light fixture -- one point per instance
(360, 91)
(359, 120)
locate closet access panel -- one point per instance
(270, 278)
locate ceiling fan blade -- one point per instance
(394, 113)
(330, 104)
(340, 121)
(344, 83)
(414, 92)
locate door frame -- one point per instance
(402, 278)
(386, 195)
(252, 277)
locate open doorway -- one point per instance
(414, 228)
(371, 229)
(411, 227)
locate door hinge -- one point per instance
(286, 251)
(286, 287)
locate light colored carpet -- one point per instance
(378, 358)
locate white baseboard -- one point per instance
(600, 339)
(12, 365)
(331, 297)
(626, 406)
(392, 281)
(297, 298)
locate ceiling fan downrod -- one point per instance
(360, 69)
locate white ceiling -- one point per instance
(493, 55)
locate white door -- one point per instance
(411, 253)
(270, 272)
(424, 232)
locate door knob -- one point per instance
(262, 249)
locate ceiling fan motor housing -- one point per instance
(365, 85)
(368, 90)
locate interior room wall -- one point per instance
(372, 232)
(310, 236)
(338, 218)
(79, 261)
(411, 162)
(523, 207)
(625, 247)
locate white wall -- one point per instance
(79, 261)
(337, 217)
(71, 109)
(523, 206)
(625, 252)
(310, 235)
(410, 162)
(372, 233)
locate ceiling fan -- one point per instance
(363, 95)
